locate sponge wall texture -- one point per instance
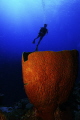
(48, 79)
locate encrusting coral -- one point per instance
(48, 79)
(2, 116)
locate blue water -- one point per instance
(20, 21)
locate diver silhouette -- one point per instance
(41, 34)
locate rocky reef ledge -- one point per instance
(24, 110)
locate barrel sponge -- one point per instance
(49, 77)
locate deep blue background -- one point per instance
(20, 21)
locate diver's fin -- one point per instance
(36, 49)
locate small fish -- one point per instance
(25, 83)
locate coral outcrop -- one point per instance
(2, 116)
(48, 79)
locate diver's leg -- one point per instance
(38, 43)
(35, 39)
(40, 40)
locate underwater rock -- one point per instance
(21, 104)
(64, 115)
(29, 106)
(77, 116)
(6, 109)
(48, 79)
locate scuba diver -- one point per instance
(41, 34)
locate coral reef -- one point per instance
(18, 112)
(2, 116)
(48, 79)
